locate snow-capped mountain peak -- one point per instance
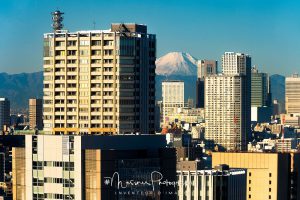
(176, 63)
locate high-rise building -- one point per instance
(218, 183)
(268, 174)
(100, 81)
(4, 113)
(200, 94)
(204, 69)
(292, 94)
(36, 114)
(224, 111)
(93, 167)
(172, 97)
(228, 103)
(260, 89)
(261, 100)
(236, 63)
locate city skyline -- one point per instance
(268, 32)
(115, 122)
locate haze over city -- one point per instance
(267, 30)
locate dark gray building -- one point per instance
(2, 166)
(260, 89)
(4, 113)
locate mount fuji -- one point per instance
(177, 66)
(176, 63)
(183, 66)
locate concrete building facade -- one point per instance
(225, 113)
(228, 103)
(260, 89)
(36, 114)
(4, 113)
(219, 183)
(172, 97)
(268, 174)
(292, 94)
(100, 81)
(204, 68)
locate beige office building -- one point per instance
(36, 114)
(173, 97)
(267, 173)
(100, 81)
(292, 94)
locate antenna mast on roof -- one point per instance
(57, 19)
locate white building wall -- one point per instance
(223, 106)
(173, 97)
(200, 184)
(54, 154)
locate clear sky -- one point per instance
(268, 30)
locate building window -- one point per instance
(84, 43)
(96, 42)
(249, 196)
(270, 197)
(108, 43)
(270, 182)
(270, 174)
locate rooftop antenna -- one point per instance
(57, 19)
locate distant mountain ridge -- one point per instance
(18, 88)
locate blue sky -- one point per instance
(268, 30)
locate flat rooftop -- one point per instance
(113, 142)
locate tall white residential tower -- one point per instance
(228, 103)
